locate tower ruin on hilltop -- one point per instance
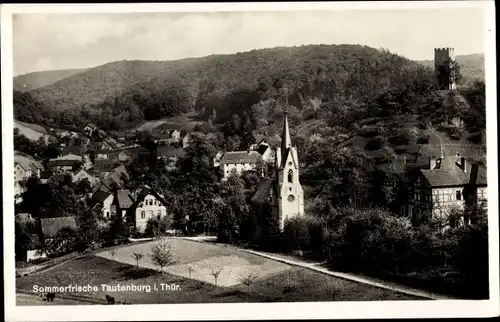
(443, 60)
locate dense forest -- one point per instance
(124, 93)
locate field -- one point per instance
(276, 282)
(31, 131)
(181, 122)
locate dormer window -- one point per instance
(290, 176)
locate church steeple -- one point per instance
(286, 141)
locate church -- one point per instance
(283, 193)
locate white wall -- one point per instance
(32, 255)
(150, 207)
(239, 167)
(107, 212)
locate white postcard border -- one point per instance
(314, 310)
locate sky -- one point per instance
(67, 41)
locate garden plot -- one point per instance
(202, 261)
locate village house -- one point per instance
(49, 227)
(176, 136)
(448, 183)
(24, 168)
(103, 200)
(169, 153)
(122, 201)
(82, 174)
(102, 154)
(114, 180)
(147, 205)
(62, 165)
(185, 140)
(102, 167)
(238, 161)
(89, 129)
(243, 160)
(65, 162)
(121, 155)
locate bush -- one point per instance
(157, 226)
(375, 143)
(402, 137)
(423, 139)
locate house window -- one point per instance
(459, 195)
(143, 215)
(159, 213)
(290, 176)
(150, 202)
(151, 213)
(107, 214)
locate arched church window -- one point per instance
(290, 176)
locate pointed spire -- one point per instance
(286, 141)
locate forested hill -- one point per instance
(122, 94)
(31, 81)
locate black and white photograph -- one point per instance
(278, 160)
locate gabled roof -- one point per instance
(50, 226)
(124, 198)
(69, 156)
(24, 217)
(262, 149)
(146, 192)
(27, 163)
(240, 157)
(101, 195)
(450, 173)
(262, 194)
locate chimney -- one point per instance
(432, 162)
(463, 164)
(473, 173)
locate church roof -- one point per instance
(262, 193)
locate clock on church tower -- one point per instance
(291, 198)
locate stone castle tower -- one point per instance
(290, 196)
(444, 78)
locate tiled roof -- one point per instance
(240, 157)
(169, 151)
(124, 198)
(114, 179)
(450, 174)
(69, 156)
(23, 161)
(262, 194)
(101, 195)
(262, 149)
(50, 226)
(63, 163)
(24, 217)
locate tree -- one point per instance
(157, 226)
(63, 242)
(112, 252)
(216, 270)
(190, 270)
(137, 256)
(248, 278)
(162, 253)
(23, 239)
